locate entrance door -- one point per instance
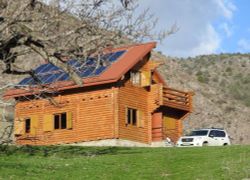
(157, 133)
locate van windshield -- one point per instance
(199, 133)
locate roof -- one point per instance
(48, 73)
(121, 61)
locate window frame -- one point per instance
(60, 121)
(212, 133)
(217, 133)
(220, 134)
(135, 78)
(131, 116)
(27, 130)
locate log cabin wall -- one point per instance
(93, 117)
(130, 96)
(145, 100)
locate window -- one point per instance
(219, 133)
(27, 125)
(135, 78)
(216, 133)
(57, 121)
(60, 121)
(199, 133)
(132, 116)
(212, 133)
(142, 78)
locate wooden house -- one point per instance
(125, 99)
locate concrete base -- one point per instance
(121, 143)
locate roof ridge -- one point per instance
(133, 45)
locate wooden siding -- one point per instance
(177, 99)
(172, 122)
(93, 117)
(145, 100)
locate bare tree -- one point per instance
(65, 29)
(69, 29)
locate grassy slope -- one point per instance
(126, 163)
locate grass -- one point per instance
(67, 162)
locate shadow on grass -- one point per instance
(65, 151)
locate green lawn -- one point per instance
(67, 162)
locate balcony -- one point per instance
(177, 99)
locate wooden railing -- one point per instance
(177, 99)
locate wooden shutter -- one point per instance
(126, 115)
(19, 126)
(48, 123)
(145, 78)
(169, 123)
(69, 120)
(140, 119)
(34, 124)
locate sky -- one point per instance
(205, 26)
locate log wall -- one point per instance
(93, 117)
(145, 100)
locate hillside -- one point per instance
(222, 90)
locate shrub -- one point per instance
(203, 77)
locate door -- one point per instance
(217, 138)
(157, 134)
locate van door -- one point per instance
(221, 137)
(217, 137)
(212, 139)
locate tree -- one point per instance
(68, 29)
(65, 29)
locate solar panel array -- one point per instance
(48, 73)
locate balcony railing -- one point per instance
(177, 99)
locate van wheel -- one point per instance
(225, 144)
(204, 144)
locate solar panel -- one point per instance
(40, 68)
(49, 73)
(45, 69)
(100, 70)
(115, 56)
(25, 81)
(64, 77)
(87, 72)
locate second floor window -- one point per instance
(135, 78)
(141, 79)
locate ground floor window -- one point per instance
(60, 121)
(27, 125)
(132, 116)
